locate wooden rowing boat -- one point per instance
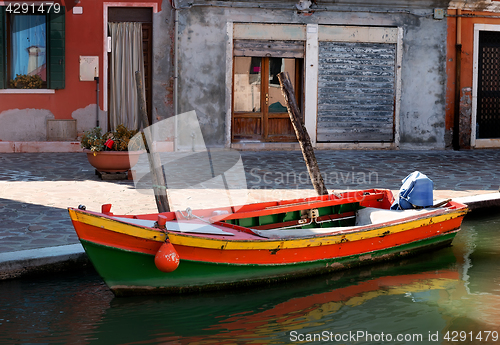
(188, 250)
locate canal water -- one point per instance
(451, 296)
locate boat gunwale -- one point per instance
(318, 240)
(454, 211)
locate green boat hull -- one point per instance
(133, 273)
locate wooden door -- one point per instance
(259, 108)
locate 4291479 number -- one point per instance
(24, 7)
(456, 336)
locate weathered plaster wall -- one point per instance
(163, 62)
(30, 124)
(202, 49)
(201, 59)
(87, 118)
(423, 100)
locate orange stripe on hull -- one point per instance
(115, 239)
(297, 255)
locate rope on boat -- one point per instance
(190, 215)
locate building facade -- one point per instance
(68, 47)
(367, 75)
(396, 74)
(472, 67)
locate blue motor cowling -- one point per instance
(416, 192)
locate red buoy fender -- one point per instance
(167, 259)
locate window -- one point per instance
(32, 44)
(27, 43)
(259, 110)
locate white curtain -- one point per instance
(126, 58)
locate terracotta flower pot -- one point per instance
(113, 161)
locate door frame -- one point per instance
(105, 62)
(264, 31)
(365, 34)
(475, 142)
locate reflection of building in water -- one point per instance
(36, 61)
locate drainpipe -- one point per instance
(458, 67)
(176, 71)
(97, 100)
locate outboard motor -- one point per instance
(416, 192)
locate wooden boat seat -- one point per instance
(192, 227)
(370, 215)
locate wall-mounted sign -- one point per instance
(89, 68)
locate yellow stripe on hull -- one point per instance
(117, 226)
(258, 243)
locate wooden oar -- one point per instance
(439, 204)
(301, 133)
(157, 175)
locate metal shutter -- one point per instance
(356, 91)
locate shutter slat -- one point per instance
(56, 58)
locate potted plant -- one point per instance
(113, 151)
(24, 81)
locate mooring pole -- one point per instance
(301, 133)
(157, 175)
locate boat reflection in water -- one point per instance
(371, 300)
(451, 290)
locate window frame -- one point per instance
(8, 47)
(55, 50)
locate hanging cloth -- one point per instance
(416, 192)
(126, 58)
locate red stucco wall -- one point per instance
(84, 36)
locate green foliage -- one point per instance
(94, 140)
(24, 81)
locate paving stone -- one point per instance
(36, 228)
